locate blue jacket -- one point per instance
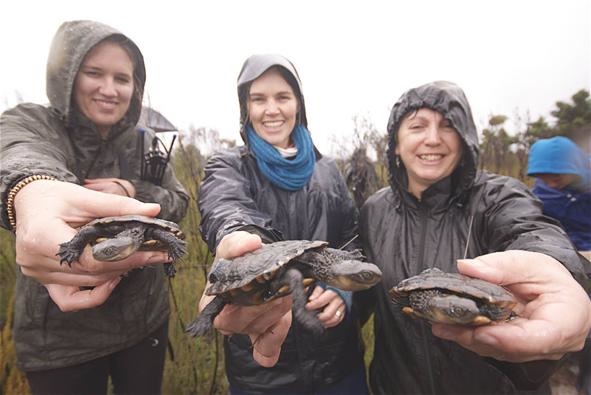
(572, 208)
(570, 205)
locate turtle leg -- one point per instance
(307, 318)
(204, 322)
(176, 247)
(70, 251)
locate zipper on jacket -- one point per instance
(426, 352)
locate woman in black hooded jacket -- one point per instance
(438, 210)
(278, 186)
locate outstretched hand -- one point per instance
(47, 214)
(554, 316)
(267, 324)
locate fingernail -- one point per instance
(472, 262)
(477, 264)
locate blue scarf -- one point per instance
(290, 174)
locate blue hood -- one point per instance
(559, 155)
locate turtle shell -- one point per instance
(122, 220)
(249, 273)
(491, 297)
(106, 221)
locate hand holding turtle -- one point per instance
(47, 214)
(267, 324)
(330, 304)
(554, 318)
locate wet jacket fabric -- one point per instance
(404, 236)
(570, 205)
(235, 196)
(58, 141)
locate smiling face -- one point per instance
(429, 147)
(104, 85)
(272, 108)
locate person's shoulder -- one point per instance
(380, 199)
(28, 110)
(224, 157)
(497, 181)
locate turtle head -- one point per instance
(353, 275)
(114, 249)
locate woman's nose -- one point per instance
(271, 107)
(432, 135)
(107, 87)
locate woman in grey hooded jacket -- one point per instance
(278, 186)
(438, 210)
(61, 166)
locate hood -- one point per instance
(558, 155)
(252, 68)
(448, 99)
(70, 45)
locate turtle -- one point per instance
(278, 269)
(116, 238)
(452, 298)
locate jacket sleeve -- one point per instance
(514, 221)
(226, 202)
(30, 144)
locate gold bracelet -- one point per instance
(15, 189)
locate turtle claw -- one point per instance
(177, 250)
(169, 269)
(199, 327)
(67, 254)
(310, 321)
(202, 324)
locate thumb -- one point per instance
(511, 267)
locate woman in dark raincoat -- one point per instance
(61, 166)
(278, 186)
(438, 210)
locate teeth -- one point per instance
(431, 157)
(273, 124)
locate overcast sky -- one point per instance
(354, 58)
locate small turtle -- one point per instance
(278, 269)
(116, 238)
(452, 298)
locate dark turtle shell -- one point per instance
(150, 221)
(493, 301)
(256, 267)
(115, 238)
(123, 220)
